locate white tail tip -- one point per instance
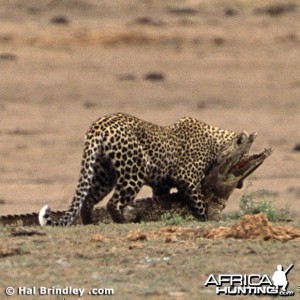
(44, 215)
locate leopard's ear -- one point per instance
(45, 216)
(242, 137)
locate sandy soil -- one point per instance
(232, 64)
(139, 261)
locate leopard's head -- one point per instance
(237, 141)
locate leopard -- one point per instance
(122, 153)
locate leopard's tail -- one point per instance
(89, 181)
(45, 216)
(46, 220)
(69, 216)
(66, 220)
(82, 191)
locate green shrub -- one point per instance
(265, 205)
(172, 219)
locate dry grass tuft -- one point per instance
(9, 251)
(256, 227)
(136, 235)
(98, 238)
(252, 227)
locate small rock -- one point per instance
(197, 41)
(154, 76)
(63, 262)
(251, 250)
(218, 41)
(148, 21)
(183, 11)
(230, 12)
(297, 147)
(6, 38)
(60, 20)
(8, 56)
(126, 77)
(275, 10)
(33, 10)
(89, 104)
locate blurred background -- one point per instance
(63, 64)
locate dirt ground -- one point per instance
(137, 261)
(234, 64)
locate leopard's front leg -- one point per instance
(195, 200)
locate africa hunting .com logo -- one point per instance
(252, 284)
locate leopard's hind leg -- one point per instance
(102, 184)
(131, 170)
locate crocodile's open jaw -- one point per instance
(250, 162)
(230, 170)
(248, 165)
(239, 162)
